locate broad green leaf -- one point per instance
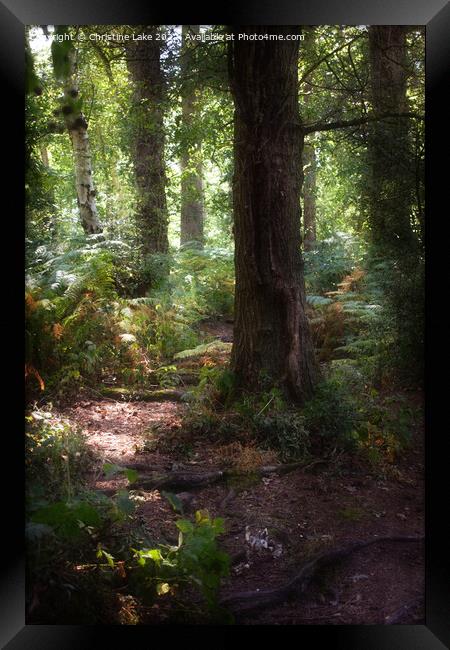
(124, 502)
(174, 501)
(131, 474)
(185, 525)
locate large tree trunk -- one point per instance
(272, 342)
(309, 195)
(191, 226)
(391, 194)
(389, 150)
(143, 61)
(78, 130)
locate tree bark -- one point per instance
(192, 217)
(77, 127)
(309, 196)
(272, 342)
(143, 61)
(389, 151)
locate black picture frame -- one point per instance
(14, 15)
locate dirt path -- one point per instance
(304, 512)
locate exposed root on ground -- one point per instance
(247, 601)
(180, 480)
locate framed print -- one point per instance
(228, 256)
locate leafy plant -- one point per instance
(285, 432)
(196, 561)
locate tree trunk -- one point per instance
(389, 150)
(143, 61)
(191, 226)
(309, 195)
(77, 127)
(391, 195)
(272, 342)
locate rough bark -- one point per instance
(272, 342)
(391, 194)
(389, 154)
(192, 213)
(143, 61)
(77, 127)
(309, 195)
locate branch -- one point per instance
(188, 481)
(342, 124)
(306, 74)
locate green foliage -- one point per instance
(61, 48)
(56, 455)
(329, 416)
(284, 431)
(196, 561)
(203, 282)
(111, 469)
(72, 327)
(329, 261)
(67, 519)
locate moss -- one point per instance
(121, 392)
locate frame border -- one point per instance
(435, 14)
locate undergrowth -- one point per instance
(83, 545)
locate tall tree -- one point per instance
(272, 342)
(392, 194)
(191, 225)
(65, 66)
(389, 150)
(309, 194)
(144, 65)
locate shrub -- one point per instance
(329, 261)
(57, 457)
(330, 416)
(195, 561)
(285, 432)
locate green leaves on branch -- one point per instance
(196, 560)
(68, 520)
(32, 82)
(61, 50)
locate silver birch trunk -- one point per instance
(78, 131)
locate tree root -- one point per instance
(195, 481)
(256, 600)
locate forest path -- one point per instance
(304, 512)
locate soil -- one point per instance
(305, 512)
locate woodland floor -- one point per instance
(305, 512)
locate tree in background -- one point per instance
(388, 143)
(309, 194)
(192, 208)
(40, 183)
(391, 195)
(64, 57)
(144, 65)
(272, 343)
